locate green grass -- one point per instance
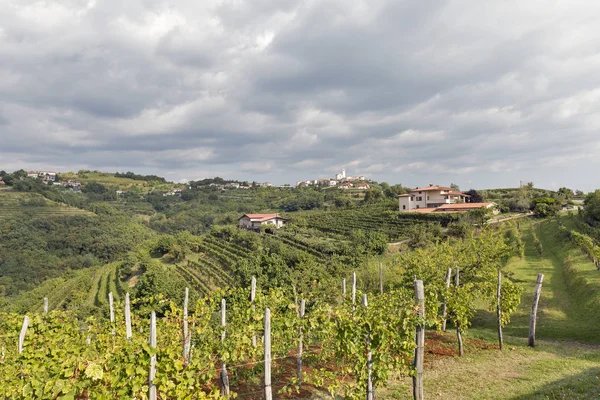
(567, 307)
(550, 371)
(565, 364)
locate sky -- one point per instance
(479, 93)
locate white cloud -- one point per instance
(488, 92)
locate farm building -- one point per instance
(254, 221)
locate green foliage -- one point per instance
(35, 249)
(546, 206)
(423, 235)
(478, 259)
(591, 209)
(461, 229)
(94, 187)
(68, 357)
(149, 178)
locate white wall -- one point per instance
(405, 203)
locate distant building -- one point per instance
(254, 221)
(362, 186)
(263, 184)
(342, 176)
(2, 181)
(46, 176)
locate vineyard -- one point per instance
(348, 347)
(64, 356)
(12, 203)
(340, 224)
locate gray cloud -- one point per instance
(482, 94)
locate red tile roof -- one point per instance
(434, 187)
(462, 206)
(260, 217)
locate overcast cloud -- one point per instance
(479, 93)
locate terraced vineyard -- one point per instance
(107, 282)
(34, 204)
(209, 269)
(73, 286)
(344, 222)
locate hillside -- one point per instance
(97, 245)
(33, 204)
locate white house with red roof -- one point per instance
(254, 221)
(431, 196)
(435, 198)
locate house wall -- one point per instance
(419, 199)
(405, 203)
(436, 197)
(245, 222)
(248, 224)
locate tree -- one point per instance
(475, 196)
(455, 187)
(94, 187)
(480, 215)
(565, 192)
(591, 208)
(372, 196)
(546, 206)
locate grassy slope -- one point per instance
(566, 361)
(11, 203)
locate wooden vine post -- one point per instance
(461, 350)
(45, 305)
(22, 334)
(499, 308)
(344, 288)
(380, 278)
(112, 311)
(252, 298)
(268, 389)
(420, 342)
(353, 289)
(444, 303)
(152, 386)
(128, 333)
(300, 342)
(370, 392)
(187, 337)
(224, 376)
(534, 307)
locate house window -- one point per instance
(417, 206)
(420, 198)
(427, 197)
(404, 207)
